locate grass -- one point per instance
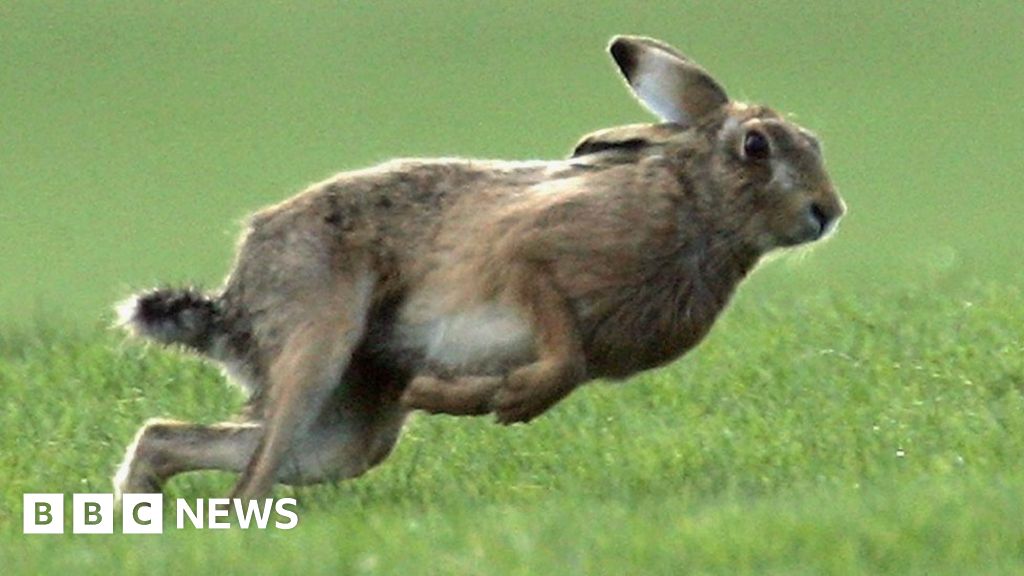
(858, 410)
(781, 446)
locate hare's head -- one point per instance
(763, 174)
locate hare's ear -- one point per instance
(668, 83)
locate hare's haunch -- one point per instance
(472, 287)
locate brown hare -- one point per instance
(472, 287)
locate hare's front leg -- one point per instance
(560, 367)
(528, 391)
(464, 396)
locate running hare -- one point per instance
(471, 287)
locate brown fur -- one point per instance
(366, 296)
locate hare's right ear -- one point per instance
(668, 83)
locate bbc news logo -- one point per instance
(144, 513)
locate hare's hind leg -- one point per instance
(354, 430)
(343, 444)
(165, 448)
(324, 326)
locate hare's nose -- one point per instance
(824, 216)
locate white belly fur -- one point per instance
(479, 340)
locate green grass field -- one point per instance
(859, 409)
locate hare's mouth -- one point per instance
(827, 230)
(811, 229)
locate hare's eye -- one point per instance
(755, 145)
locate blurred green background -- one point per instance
(135, 136)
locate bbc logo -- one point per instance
(93, 514)
(144, 513)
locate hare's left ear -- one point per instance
(668, 83)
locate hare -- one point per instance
(474, 287)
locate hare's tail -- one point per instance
(183, 316)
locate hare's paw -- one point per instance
(529, 392)
(140, 471)
(135, 476)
